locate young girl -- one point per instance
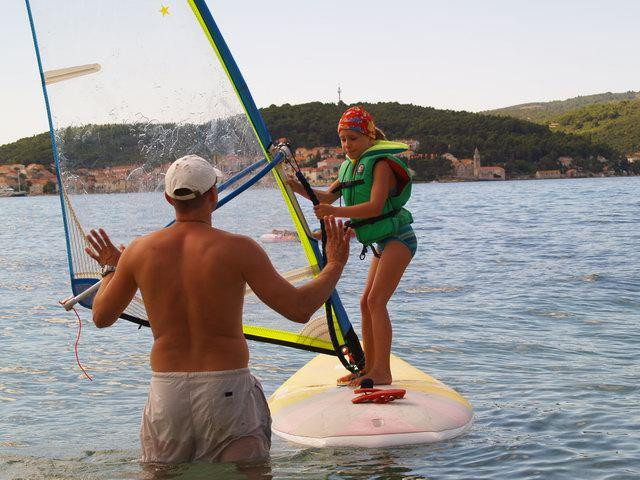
(374, 185)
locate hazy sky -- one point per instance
(459, 54)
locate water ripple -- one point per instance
(527, 304)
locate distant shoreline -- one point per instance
(322, 185)
(506, 180)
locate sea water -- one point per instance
(524, 296)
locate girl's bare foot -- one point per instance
(347, 379)
(379, 378)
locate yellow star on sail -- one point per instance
(164, 10)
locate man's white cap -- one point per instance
(192, 174)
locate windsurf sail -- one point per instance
(131, 86)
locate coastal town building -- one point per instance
(317, 175)
(472, 169)
(413, 144)
(303, 154)
(548, 174)
(407, 154)
(566, 162)
(331, 163)
(232, 163)
(427, 156)
(33, 178)
(413, 147)
(491, 173)
(463, 168)
(8, 175)
(40, 180)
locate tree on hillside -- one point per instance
(517, 145)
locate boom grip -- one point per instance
(69, 303)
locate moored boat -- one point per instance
(6, 191)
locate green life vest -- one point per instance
(356, 181)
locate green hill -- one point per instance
(616, 124)
(35, 149)
(544, 112)
(521, 147)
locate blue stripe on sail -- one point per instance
(234, 71)
(239, 175)
(260, 127)
(79, 285)
(53, 142)
(340, 312)
(270, 166)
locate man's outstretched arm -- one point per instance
(297, 304)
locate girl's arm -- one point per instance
(383, 182)
(324, 196)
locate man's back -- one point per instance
(203, 402)
(191, 279)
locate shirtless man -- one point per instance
(203, 403)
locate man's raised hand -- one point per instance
(102, 250)
(338, 239)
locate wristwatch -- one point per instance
(106, 270)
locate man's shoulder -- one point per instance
(144, 239)
(165, 238)
(235, 248)
(234, 238)
(142, 243)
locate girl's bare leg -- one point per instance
(387, 275)
(367, 335)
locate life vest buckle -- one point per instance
(363, 253)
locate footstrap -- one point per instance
(378, 395)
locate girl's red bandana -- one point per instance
(358, 119)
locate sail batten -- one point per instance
(62, 74)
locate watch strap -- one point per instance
(106, 270)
